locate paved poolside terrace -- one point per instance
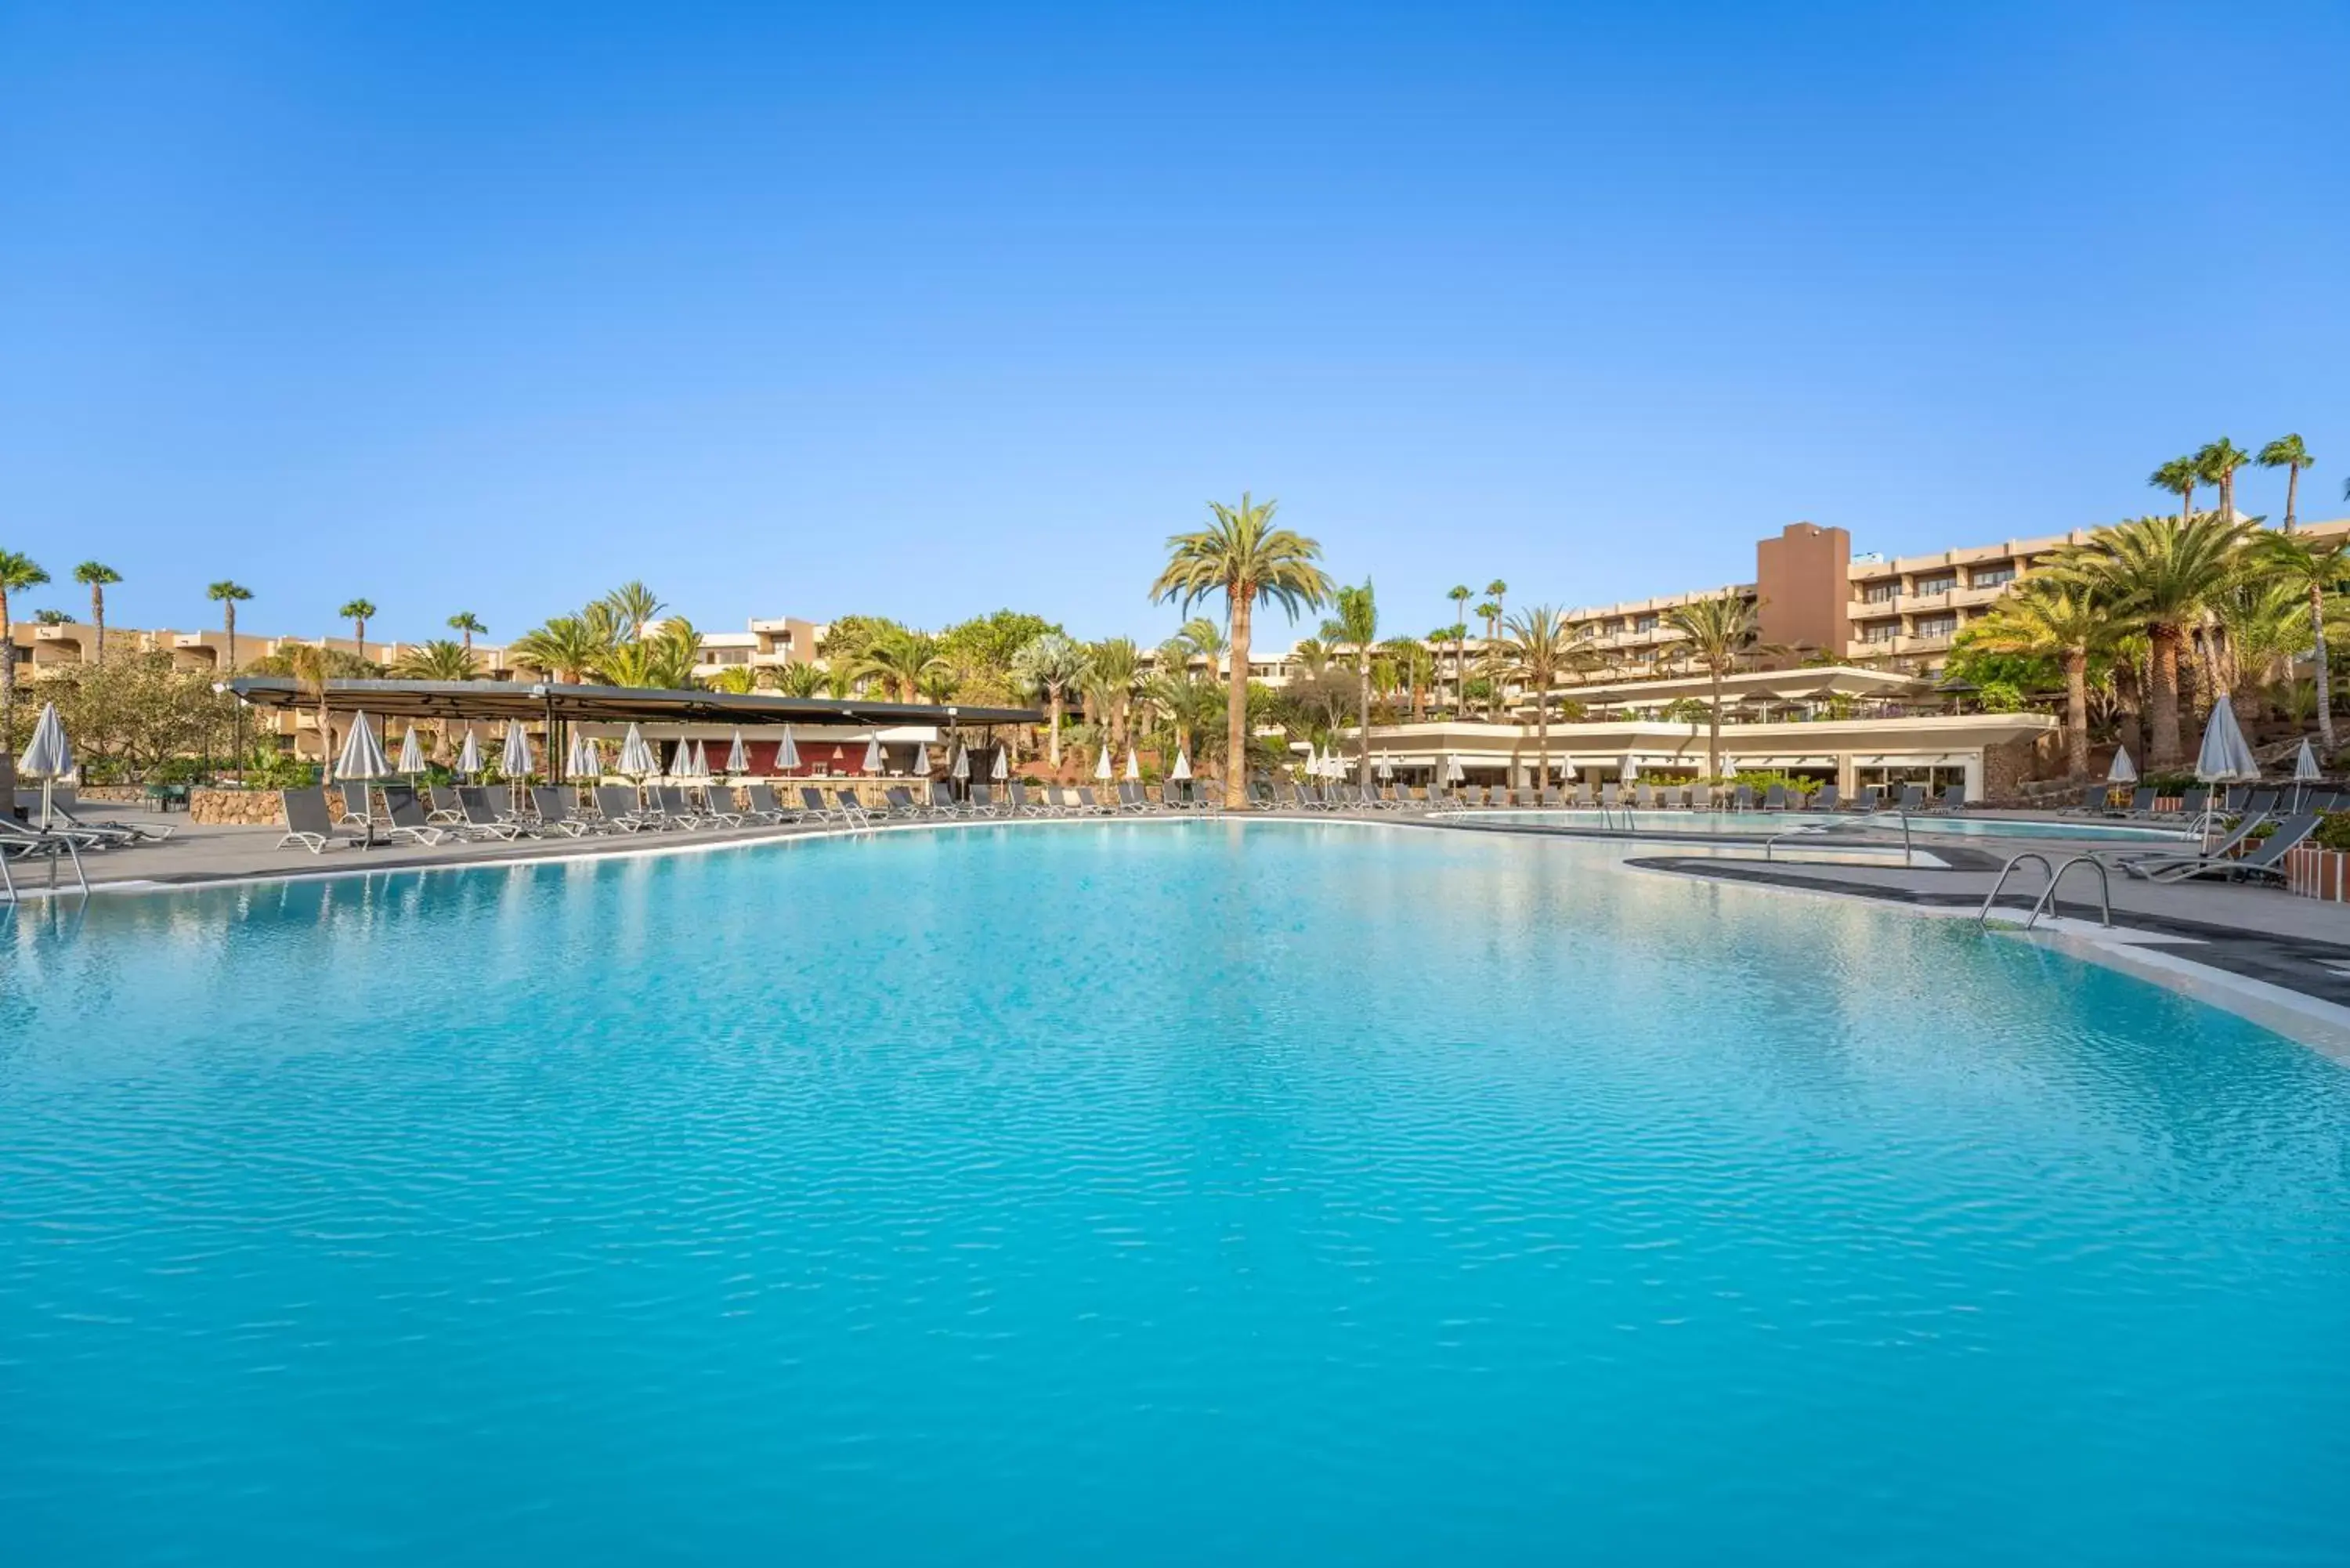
(2263, 935)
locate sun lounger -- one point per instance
(1742, 798)
(307, 823)
(1089, 807)
(849, 810)
(898, 804)
(444, 810)
(553, 804)
(764, 807)
(1130, 798)
(617, 810)
(1018, 802)
(65, 806)
(1774, 798)
(2264, 861)
(405, 814)
(718, 806)
(355, 805)
(482, 820)
(2096, 800)
(1912, 798)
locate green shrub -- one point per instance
(2333, 831)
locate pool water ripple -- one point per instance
(1151, 1194)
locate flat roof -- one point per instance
(494, 700)
(1802, 683)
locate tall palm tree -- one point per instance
(798, 679)
(18, 573)
(1358, 625)
(1243, 557)
(1498, 592)
(2160, 575)
(2180, 476)
(1716, 631)
(632, 605)
(1415, 669)
(228, 595)
(2313, 566)
(97, 576)
(1459, 595)
(1540, 649)
(1051, 663)
(468, 625)
(358, 612)
(2046, 617)
(2217, 464)
(2289, 453)
(1206, 638)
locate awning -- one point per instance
(491, 701)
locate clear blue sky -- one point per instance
(924, 310)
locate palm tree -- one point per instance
(1415, 668)
(228, 595)
(569, 648)
(1716, 631)
(468, 626)
(97, 576)
(2159, 574)
(737, 679)
(2217, 464)
(900, 660)
(2313, 566)
(1540, 649)
(1205, 638)
(632, 605)
(2046, 617)
(1460, 595)
(1498, 592)
(1356, 623)
(1113, 667)
(443, 658)
(17, 574)
(1242, 556)
(2289, 453)
(357, 612)
(1051, 663)
(2179, 476)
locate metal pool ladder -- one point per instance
(2046, 903)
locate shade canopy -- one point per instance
(960, 767)
(738, 759)
(363, 756)
(787, 753)
(582, 761)
(1003, 768)
(2124, 771)
(412, 752)
(2225, 758)
(874, 761)
(1386, 768)
(515, 760)
(1182, 768)
(1102, 767)
(469, 756)
(2305, 765)
(1632, 769)
(1452, 770)
(50, 756)
(637, 759)
(1133, 765)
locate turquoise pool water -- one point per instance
(1146, 1193)
(1765, 824)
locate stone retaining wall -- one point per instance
(236, 807)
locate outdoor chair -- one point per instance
(849, 810)
(2096, 800)
(2265, 861)
(718, 806)
(2142, 801)
(307, 823)
(1913, 797)
(405, 814)
(898, 804)
(675, 810)
(1954, 799)
(1089, 807)
(1830, 798)
(1020, 806)
(2195, 802)
(763, 806)
(553, 803)
(355, 805)
(445, 807)
(2255, 803)
(1644, 797)
(66, 804)
(1130, 798)
(482, 820)
(1609, 795)
(1774, 798)
(617, 810)
(1742, 798)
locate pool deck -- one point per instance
(2298, 948)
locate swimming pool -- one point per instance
(1765, 824)
(1146, 1193)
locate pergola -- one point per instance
(558, 707)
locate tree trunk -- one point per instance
(1236, 710)
(98, 617)
(1363, 675)
(1541, 736)
(2292, 488)
(2162, 699)
(2076, 712)
(325, 740)
(2323, 676)
(7, 677)
(1713, 728)
(1054, 702)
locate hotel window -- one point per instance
(1993, 576)
(1930, 587)
(1880, 631)
(1880, 593)
(1937, 624)
(1648, 623)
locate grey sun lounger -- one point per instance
(2096, 800)
(718, 806)
(1742, 798)
(355, 805)
(617, 810)
(307, 823)
(553, 806)
(2264, 862)
(848, 809)
(763, 806)
(1774, 798)
(1087, 805)
(66, 804)
(482, 820)
(1020, 806)
(983, 800)
(445, 807)
(898, 804)
(406, 815)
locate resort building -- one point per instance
(769, 644)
